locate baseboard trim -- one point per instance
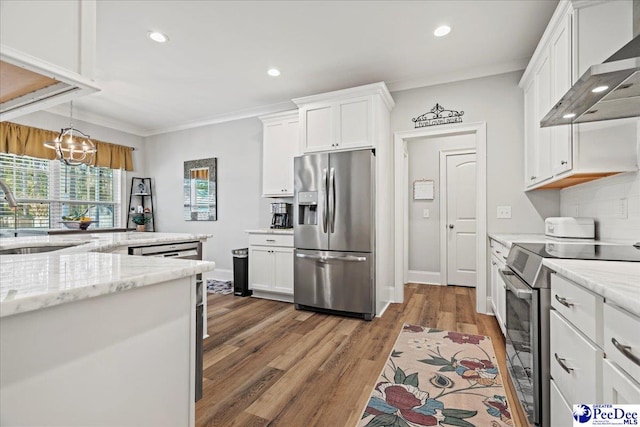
(424, 277)
(273, 296)
(383, 309)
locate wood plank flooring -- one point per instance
(266, 364)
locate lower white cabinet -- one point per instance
(271, 266)
(498, 287)
(594, 351)
(617, 386)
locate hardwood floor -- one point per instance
(267, 364)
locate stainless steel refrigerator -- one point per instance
(334, 232)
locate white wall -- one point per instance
(424, 233)
(603, 200)
(498, 101)
(238, 147)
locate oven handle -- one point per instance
(519, 289)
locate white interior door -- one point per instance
(461, 219)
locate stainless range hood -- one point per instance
(620, 75)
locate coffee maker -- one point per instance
(281, 215)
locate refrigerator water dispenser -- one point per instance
(308, 208)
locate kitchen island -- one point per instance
(92, 338)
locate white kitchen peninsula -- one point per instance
(97, 338)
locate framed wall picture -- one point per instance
(423, 189)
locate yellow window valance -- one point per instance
(29, 141)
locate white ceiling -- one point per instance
(214, 66)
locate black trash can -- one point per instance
(241, 272)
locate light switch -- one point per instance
(504, 212)
(425, 213)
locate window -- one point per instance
(47, 190)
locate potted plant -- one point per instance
(140, 220)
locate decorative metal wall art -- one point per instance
(200, 200)
(438, 116)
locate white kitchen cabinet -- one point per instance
(576, 341)
(343, 120)
(561, 156)
(621, 371)
(280, 144)
(271, 266)
(498, 287)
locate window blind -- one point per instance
(47, 190)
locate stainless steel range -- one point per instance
(528, 302)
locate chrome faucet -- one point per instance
(8, 194)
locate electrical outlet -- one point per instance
(425, 213)
(504, 212)
(620, 206)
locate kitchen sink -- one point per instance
(32, 250)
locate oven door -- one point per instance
(520, 341)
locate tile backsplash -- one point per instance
(614, 202)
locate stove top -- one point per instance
(588, 251)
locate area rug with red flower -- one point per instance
(438, 378)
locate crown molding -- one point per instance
(476, 72)
(227, 117)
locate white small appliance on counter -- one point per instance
(569, 227)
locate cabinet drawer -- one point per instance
(581, 381)
(499, 250)
(579, 306)
(561, 411)
(271, 240)
(617, 386)
(622, 327)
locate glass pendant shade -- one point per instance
(73, 147)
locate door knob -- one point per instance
(450, 225)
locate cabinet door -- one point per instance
(354, 123)
(318, 128)
(274, 158)
(530, 135)
(292, 130)
(498, 292)
(260, 268)
(543, 105)
(561, 136)
(561, 411)
(283, 270)
(617, 386)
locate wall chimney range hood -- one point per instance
(617, 91)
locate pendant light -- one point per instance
(72, 146)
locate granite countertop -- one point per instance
(98, 242)
(618, 282)
(270, 231)
(35, 281)
(510, 239)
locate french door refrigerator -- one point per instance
(334, 233)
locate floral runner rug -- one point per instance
(438, 378)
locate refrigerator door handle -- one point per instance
(336, 258)
(326, 200)
(332, 184)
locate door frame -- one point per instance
(444, 253)
(401, 179)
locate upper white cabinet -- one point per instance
(280, 145)
(579, 35)
(343, 120)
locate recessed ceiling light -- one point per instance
(599, 89)
(158, 37)
(569, 116)
(273, 72)
(442, 30)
